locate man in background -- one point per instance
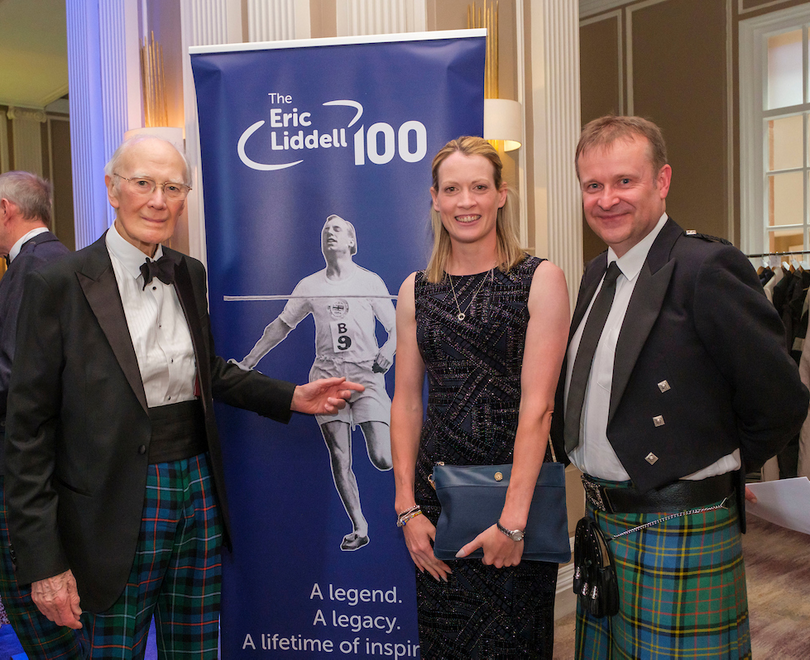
(26, 243)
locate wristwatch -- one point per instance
(515, 534)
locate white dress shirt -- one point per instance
(15, 249)
(595, 455)
(157, 325)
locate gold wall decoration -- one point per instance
(487, 17)
(154, 84)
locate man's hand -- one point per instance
(749, 495)
(58, 599)
(324, 396)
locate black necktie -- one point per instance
(582, 363)
(163, 269)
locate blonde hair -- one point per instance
(509, 252)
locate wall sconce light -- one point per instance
(503, 120)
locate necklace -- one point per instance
(462, 315)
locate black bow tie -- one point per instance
(163, 269)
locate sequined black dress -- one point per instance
(473, 369)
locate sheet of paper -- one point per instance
(785, 502)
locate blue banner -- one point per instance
(316, 169)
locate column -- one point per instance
(556, 117)
(86, 133)
(102, 102)
(276, 20)
(361, 17)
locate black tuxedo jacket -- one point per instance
(78, 428)
(699, 320)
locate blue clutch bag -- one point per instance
(472, 498)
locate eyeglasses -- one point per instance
(145, 186)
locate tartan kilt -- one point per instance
(682, 586)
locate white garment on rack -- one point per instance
(778, 274)
(804, 434)
(770, 471)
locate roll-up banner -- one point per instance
(316, 169)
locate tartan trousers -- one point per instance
(40, 638)
(176, 573)
(682, 586)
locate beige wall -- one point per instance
(676, 63)
(56, 167)
(323, 18)
(62, 178)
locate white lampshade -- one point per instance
(503, 120)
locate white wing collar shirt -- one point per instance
(157, 325)
(594, 455)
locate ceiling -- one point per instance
(33, 52)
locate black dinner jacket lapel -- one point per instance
(100, 287)
(643, 309)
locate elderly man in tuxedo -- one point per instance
(115, 487)
(26, 243)
(676, 383)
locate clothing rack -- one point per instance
(777, 254)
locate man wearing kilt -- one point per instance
(114, 475)
(676, 383)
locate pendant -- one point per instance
(461, 316)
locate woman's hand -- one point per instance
(419, 534)
(499, 549)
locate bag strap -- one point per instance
(553, 455)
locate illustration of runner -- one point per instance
(346, 301)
